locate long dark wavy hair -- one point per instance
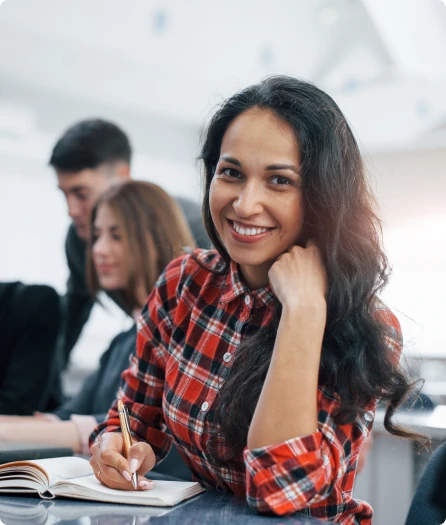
(339, 216)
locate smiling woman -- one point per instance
(265, 357)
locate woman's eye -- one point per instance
(231, 172)
(116, 237)
(280, 181)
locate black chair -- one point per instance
(429, 502)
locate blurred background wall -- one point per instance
(159, 68)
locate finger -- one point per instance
(94, 466)
(145, 484)
(114, 478)
(141, 458)
(311, 243)
(113, 460)
(108, 454)
(109, 476)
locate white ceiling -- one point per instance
(172, 61)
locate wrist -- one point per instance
(317, 307)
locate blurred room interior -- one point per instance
(159, 68)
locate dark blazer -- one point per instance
(29, 324)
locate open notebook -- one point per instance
(73, 477)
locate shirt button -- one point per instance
(204, 406)
(247, 300)
(368, 416)
(227, 357)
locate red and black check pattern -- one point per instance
(187, 338)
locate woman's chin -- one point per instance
(109, 285)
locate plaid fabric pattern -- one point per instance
(188, 334)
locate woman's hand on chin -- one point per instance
(299, 280)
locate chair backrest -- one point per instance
(427, 506)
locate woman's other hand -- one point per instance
(113, 470)
(299, 279)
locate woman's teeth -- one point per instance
(248, 231)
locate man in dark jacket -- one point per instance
(88, 158)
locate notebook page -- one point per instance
(64, 468)
(165, 493)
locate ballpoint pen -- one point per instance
(126, 435)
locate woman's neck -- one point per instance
(255, 276)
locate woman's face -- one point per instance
(255, 196)
(110, 250)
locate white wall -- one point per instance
(411, 187)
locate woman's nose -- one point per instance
(100, 247)
(248, 201)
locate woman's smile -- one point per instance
(248, 233)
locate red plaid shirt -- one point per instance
(187, 338)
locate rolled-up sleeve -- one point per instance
(316, 473)
(143, 382)
(304, 471)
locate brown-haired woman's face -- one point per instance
(255, 196)
(110, 250)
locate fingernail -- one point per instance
(146, 484)
(127, 475)
(134, 464)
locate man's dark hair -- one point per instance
(88, 144)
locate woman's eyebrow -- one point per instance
(275, 167)
(231, 160)
(272, 167)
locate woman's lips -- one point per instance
(105, 268)
(247, 239)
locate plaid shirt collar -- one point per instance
(234, 286)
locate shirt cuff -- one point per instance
(307, 449)
(85, 426)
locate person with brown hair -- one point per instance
(136, 230)
(89, 157)
(264, 357)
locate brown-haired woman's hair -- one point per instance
(154, 228)
(340, 217)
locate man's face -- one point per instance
(82, 189)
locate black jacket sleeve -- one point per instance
(82, 404)
(29, 347)
(78, 302)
